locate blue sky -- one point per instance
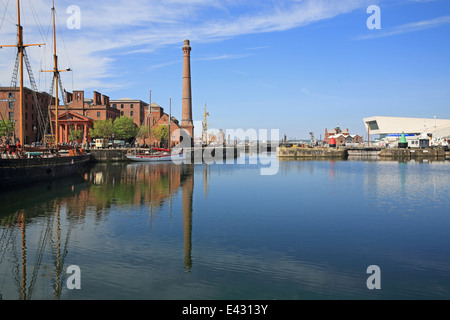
(297, 66)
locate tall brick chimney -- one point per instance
(186, 112)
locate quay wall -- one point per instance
(364, 152)
(108, 155)
(297, 152)
(212, 153)
(412, 154)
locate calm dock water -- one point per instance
(224, 231)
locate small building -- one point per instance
(342, 138)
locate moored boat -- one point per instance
(26, 171)
(156, 154)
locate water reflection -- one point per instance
(36, 222)
(150, 184)
(148, 231)
(33, 241)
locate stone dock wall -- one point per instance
(412, 153)
(296, 152)
(108, 155)
(212, 153)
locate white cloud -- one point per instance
(409, 27)
(113, 28)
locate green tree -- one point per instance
(124, 128)
(102, 129)
(161, 133)
(6, 128)
(75, 135)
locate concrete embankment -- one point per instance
(108, 155)
(363, 152)
(412, 153)
(215, 153)
(297, 152)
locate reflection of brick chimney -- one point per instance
(186, 112)
(187, 189)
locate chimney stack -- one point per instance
(186, 113)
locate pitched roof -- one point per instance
(74, 115)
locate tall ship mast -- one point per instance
(24, 164)
(56, 77)
(21, 52)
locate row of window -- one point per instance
(11, 106)
(109, 116)
(11, 96)
(121, 106)
(11, 116)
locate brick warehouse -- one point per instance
(80, 113)
(9, 110)
(131, 108)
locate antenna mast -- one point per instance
(170, 120)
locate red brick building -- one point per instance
(131, 108)
(97, 108)
(159, 117)
(80, 113)
(9, 110)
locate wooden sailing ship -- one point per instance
(21, 164)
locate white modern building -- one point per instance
(390, 128)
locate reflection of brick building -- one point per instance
(9, 110)
(159, 117)
(342, 137)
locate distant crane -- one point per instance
(205, 127)
(311, 142)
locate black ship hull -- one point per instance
(20, 172)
